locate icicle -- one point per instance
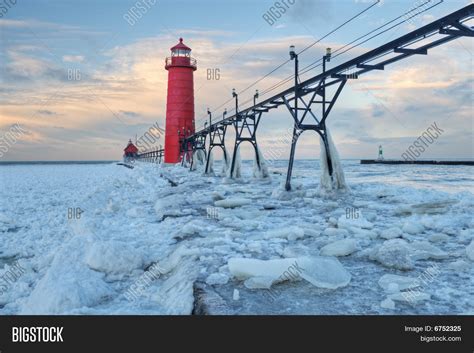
(338, 181)
(261, 172)
(237, 167)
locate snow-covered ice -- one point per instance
(238, 238)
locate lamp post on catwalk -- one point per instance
(180, 101)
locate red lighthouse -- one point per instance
(180, 103)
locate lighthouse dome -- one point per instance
(180, 46)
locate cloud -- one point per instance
(45, 112)
(130, 114)
(73, 58)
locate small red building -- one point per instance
(130, 151)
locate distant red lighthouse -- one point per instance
(180, 103)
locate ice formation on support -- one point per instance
(237, 167)
(225, 161)
(261, 172)
(199, 158)
(338, 181)
(210, 164)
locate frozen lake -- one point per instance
(398, 220)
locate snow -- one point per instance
(340, 248)
(168, 216)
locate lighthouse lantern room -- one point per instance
(180, 101)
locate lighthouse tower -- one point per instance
(180, 103)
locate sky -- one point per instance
(83, 77)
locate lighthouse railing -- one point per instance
(180, 61)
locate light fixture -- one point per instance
(292, 52)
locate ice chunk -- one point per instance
(324, 272)
(387, 304)
(232, 202)
(436, 207)
(335, 232)
(190, 228)
(113, 257)
(391, 233)
(340, 248)
(352, 222)
(291, 233)
(270, 205)
(401, 282)
(413, 228)
(296, 251)
(409, 296)
(260, 282)
(236, 295)
(217, 278)
(470, 251)
(242, 268)
(423, 250)
(169, 206)
(394, 253)
(459, 266)
(438, 238)
(254, 246)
